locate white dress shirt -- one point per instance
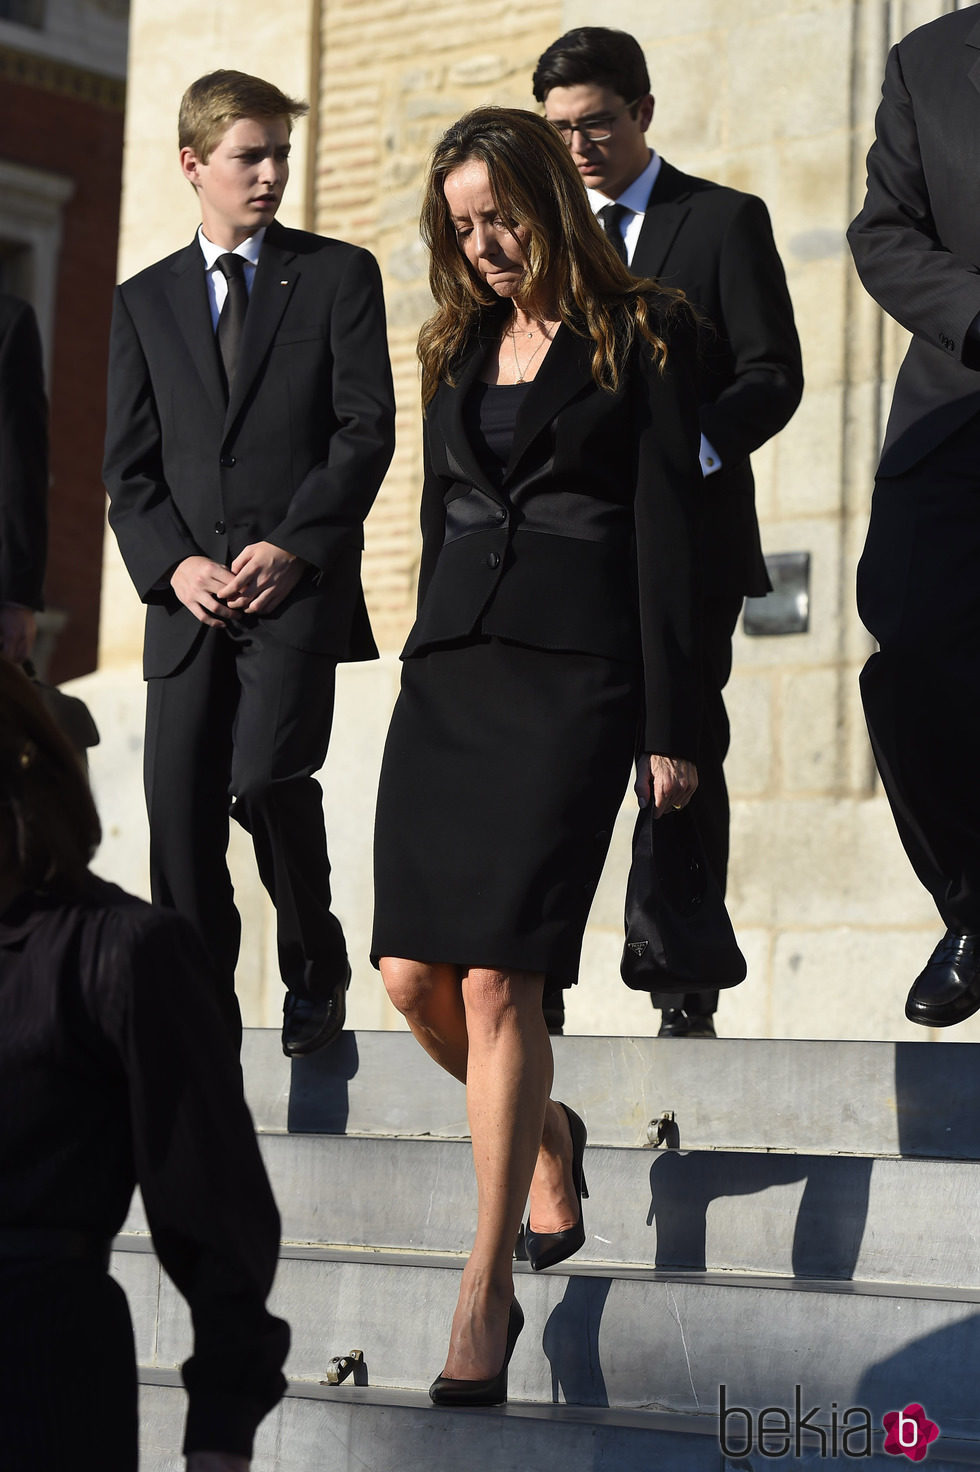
(634, 198)
(217, 281)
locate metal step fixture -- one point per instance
(782, 1265)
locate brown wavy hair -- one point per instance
(49, 828)
(569, 259)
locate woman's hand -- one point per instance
(671, 781)
(217, 1462)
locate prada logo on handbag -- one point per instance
(637, 946)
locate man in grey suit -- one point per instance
(717, 245)
(251, 420)
(916, 245)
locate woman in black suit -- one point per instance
(556, 637)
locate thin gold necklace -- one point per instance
(512, 334)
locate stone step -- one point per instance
(818, 1098)
(319, 1427)
(630, 1338)
(808, 1216)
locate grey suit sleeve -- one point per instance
(899, 256)
(152, 535)
(330, 505)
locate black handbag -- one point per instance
(679, 937)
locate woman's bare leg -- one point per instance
(488, 1031)
(430, 997)
(509, 1077)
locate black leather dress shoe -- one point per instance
(948, 990)
(674, 1023)
(311, 1023)
(700, 1025)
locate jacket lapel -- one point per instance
(973, 39)
(566, 369)
(463, 461)
(275, 280)
(188, 297)
(667, 209)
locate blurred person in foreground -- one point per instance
(556, 638)
(116, 1069)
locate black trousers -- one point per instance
(919, 595)
(240, 728)
(709, 805)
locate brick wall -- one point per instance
(80, 139)
(394, 75)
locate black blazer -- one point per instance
(916, 242)
(294, 458)
(23, 456)
(716, 244)
(590, 544)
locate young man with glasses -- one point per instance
(717, 245)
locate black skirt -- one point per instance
(504, 769)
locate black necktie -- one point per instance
(232, 318)
(612, 217)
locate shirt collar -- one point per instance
(249, 249)
(637, 196)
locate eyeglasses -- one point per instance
(593, 130)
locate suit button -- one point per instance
(227, 461)
(219, 528)
(501, 515)
(493, 559)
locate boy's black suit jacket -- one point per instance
(916, 242)
(716, 244)
(590, 543)
(294, 458)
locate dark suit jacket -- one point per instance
(916, 242)
(591, 543)
(716, 244)
(294, 458)
(23, 456)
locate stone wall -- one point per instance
(777, 98)
(394, 76)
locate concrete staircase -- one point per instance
(807, 1236)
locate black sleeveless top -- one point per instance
(489, 418)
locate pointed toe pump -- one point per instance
(546, 1249)
(445, 1391)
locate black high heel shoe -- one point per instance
(545, 1249)
(445, 1391)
